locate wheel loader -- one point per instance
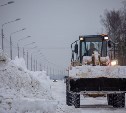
(94, 71)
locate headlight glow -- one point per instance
(81, 38)
(105, 38)
(114, 62)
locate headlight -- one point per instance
(81, 38)
(105, 38)
(114, 62)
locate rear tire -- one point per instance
(69, 98)
(110, 99)
(119, 100)
(77, 100)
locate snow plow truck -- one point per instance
(94, 71)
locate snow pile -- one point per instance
(23, 91)
(3, 56)
(87, 71)
(20, 63)
(24, 83)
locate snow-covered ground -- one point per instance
(24, 91)
(58, 92)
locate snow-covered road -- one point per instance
(88, 104)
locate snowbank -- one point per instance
(3, 56)
(24, 83)
(20, 63)
(23, 91)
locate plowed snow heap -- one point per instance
(15, 77)
(22, 90)
(94, 71)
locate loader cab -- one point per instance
(89, 43)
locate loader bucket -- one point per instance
(98, 84)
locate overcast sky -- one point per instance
(53, 24)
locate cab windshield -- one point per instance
(89, 47)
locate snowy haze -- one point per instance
(53, 24)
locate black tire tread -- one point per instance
(77, 100)
(119, 100)
(110, 99)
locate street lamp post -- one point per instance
(35, 61)
(31, 61)
(11, 40)
(31, 56)
(26, 45)
(2, 33)
(18, 44)
(27, 59)
(36, 65)
(27, 51)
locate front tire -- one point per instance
(69, 98)
(110, 99)
(119, 100)
(77, 100)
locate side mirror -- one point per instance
(109, 44)
(76, 48)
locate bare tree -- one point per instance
(114, 22)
